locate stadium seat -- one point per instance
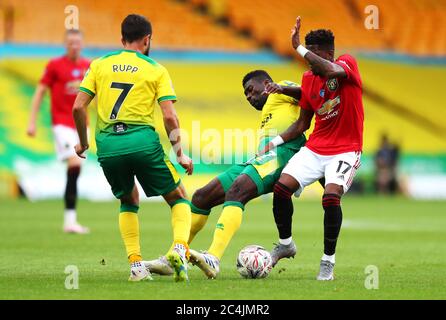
(101, 24)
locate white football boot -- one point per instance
(326, 271)
(208, 263)
(75, 228)
(138, 272)
(159, 266)
(177, 259)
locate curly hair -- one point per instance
(322, 37)
(258, 74)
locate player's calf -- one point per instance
(209, 196)
(283, 214)
(331, 203)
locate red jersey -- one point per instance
(337, 104)
(63, 77)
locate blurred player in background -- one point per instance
(62, 77)
(241, 183)
(331, 90)
(128, 84)
(386, 166)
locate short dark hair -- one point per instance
(258, 74)
(321, 37)
(135, 27)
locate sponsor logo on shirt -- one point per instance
(328, 106)
(266, 119)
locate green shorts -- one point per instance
(264, 170)
(152, 168)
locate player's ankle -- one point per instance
(134, 258)
(182, 248)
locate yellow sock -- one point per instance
(197, 223)
(129, 227)
(199, 218)
(227, 225)
(181, 221)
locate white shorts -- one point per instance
(307, 167)
(65, 139)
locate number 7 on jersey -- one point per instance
(125, 87)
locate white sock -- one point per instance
(329, 258)
(286, 241)
(70, 217)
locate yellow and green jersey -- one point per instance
(127, 85)
(278, 113)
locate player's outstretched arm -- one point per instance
(35, 107)
(295, 130)
(172, 126)
(80, 118)
(324, 67)
(291, 91)
(318, 65)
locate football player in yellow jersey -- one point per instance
(128, 84)
(278, 103)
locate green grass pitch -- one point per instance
(404, 239)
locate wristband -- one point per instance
(302, 50)
(277, 141)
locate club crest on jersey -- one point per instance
(76, 73)
(332, 84)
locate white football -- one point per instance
(254, 262)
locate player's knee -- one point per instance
(200, 198)
(175, 195)
(241, 192)
(289, 182)
(282, 191)
(128, 200)
(74, 161)
(131, 198)
(332, 188)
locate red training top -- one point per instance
(63, 77)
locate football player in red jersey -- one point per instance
(62, 77)
(332, 92)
